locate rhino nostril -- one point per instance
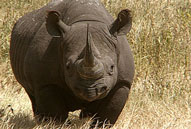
(104, 88)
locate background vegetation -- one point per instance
(161, 42)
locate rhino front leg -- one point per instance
(32, 98)
(107, 110)
(50, 103)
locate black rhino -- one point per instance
(70, 55)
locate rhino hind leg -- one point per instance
(106, 111)
(49, 104)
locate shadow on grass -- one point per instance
(25, 121)
(19, 121)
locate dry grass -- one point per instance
(161, 42)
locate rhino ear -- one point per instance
(54, 25)
(122, 25)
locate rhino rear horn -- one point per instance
(122, 25)
(54, 25)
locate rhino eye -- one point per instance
(111, 70)
(68, 66)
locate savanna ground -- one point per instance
(161, 42)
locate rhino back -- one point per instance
(85, 10)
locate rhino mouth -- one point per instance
(98, 91)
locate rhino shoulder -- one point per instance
(125, 61)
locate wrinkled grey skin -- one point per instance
(71, 55)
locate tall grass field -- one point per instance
(160, 39)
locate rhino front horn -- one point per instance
(90, 66)
(89, 58)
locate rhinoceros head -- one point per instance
(89, 56)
